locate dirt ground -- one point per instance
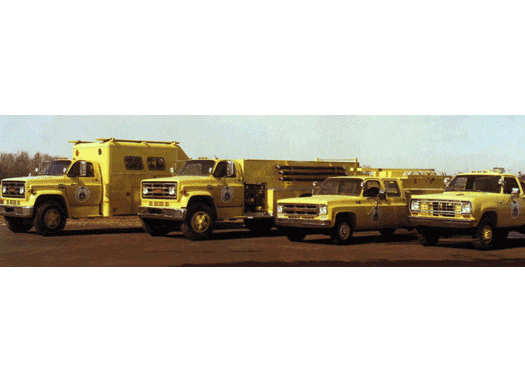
(122, 242)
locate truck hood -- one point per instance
(456, 196)
(38, 180)
(320, 199)
(185, 180)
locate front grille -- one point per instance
(300, 210)
(158, 190)
(12, 189)
(441, 208)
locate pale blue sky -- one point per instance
(446, 143)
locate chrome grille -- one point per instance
(300, 210)
(12, 189)
(439, 208)
(158, 190)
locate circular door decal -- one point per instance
(82, 194)
(515, 209)
(375, 215)
(227, 194)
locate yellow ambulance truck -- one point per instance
(101, 180)
(209, 190)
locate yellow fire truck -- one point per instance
(101, 180)
(209, 190)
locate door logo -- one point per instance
(375, 215)
(227, 194)
(82, 194)
(515, 209)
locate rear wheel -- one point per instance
(18, 225)
(198, 224)
(155, 228)
(342, 232)
(50, 219)
(485, 235)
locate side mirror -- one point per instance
(447, 181)
(382, 194)
(36, 170)
(230, 169)
(172, 170)
(515, 193)
(83, 168)
(501, 182)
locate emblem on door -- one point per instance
(82, 194)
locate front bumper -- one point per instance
(300, 223)
(162, 213)
(441, 222)
(16, 211)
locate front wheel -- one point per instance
(342, 232)
(50, 219)
(18, 225)
(485, 235)
(198, 224)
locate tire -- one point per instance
(342, 232)
(260, 226)
(485, 235)
(387, 232)
(428, 237)
(50, 219)
(295, 236)
(198, 224)
(18, 225)
(155, 228)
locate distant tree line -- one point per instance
(21, 163)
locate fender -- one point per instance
(36, 198)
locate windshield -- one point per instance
(349, 187)
(55, 168)
(197, 168)
(475, 183)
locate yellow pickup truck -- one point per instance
(485, 204)
(343, 205)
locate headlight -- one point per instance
(415, 205)
(323, 210)
(144, 191)
(279, 208)
(172, 191)
(22, 189)
(466, 207)
(4, 189)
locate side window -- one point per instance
(133, 163)
(75, 170)
(372, 188)
(220, 170)
(392, 189)
(156, 164)
(510, 183)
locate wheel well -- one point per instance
(491, 216)
(58, 199)
(204, 200)
(349, 217)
